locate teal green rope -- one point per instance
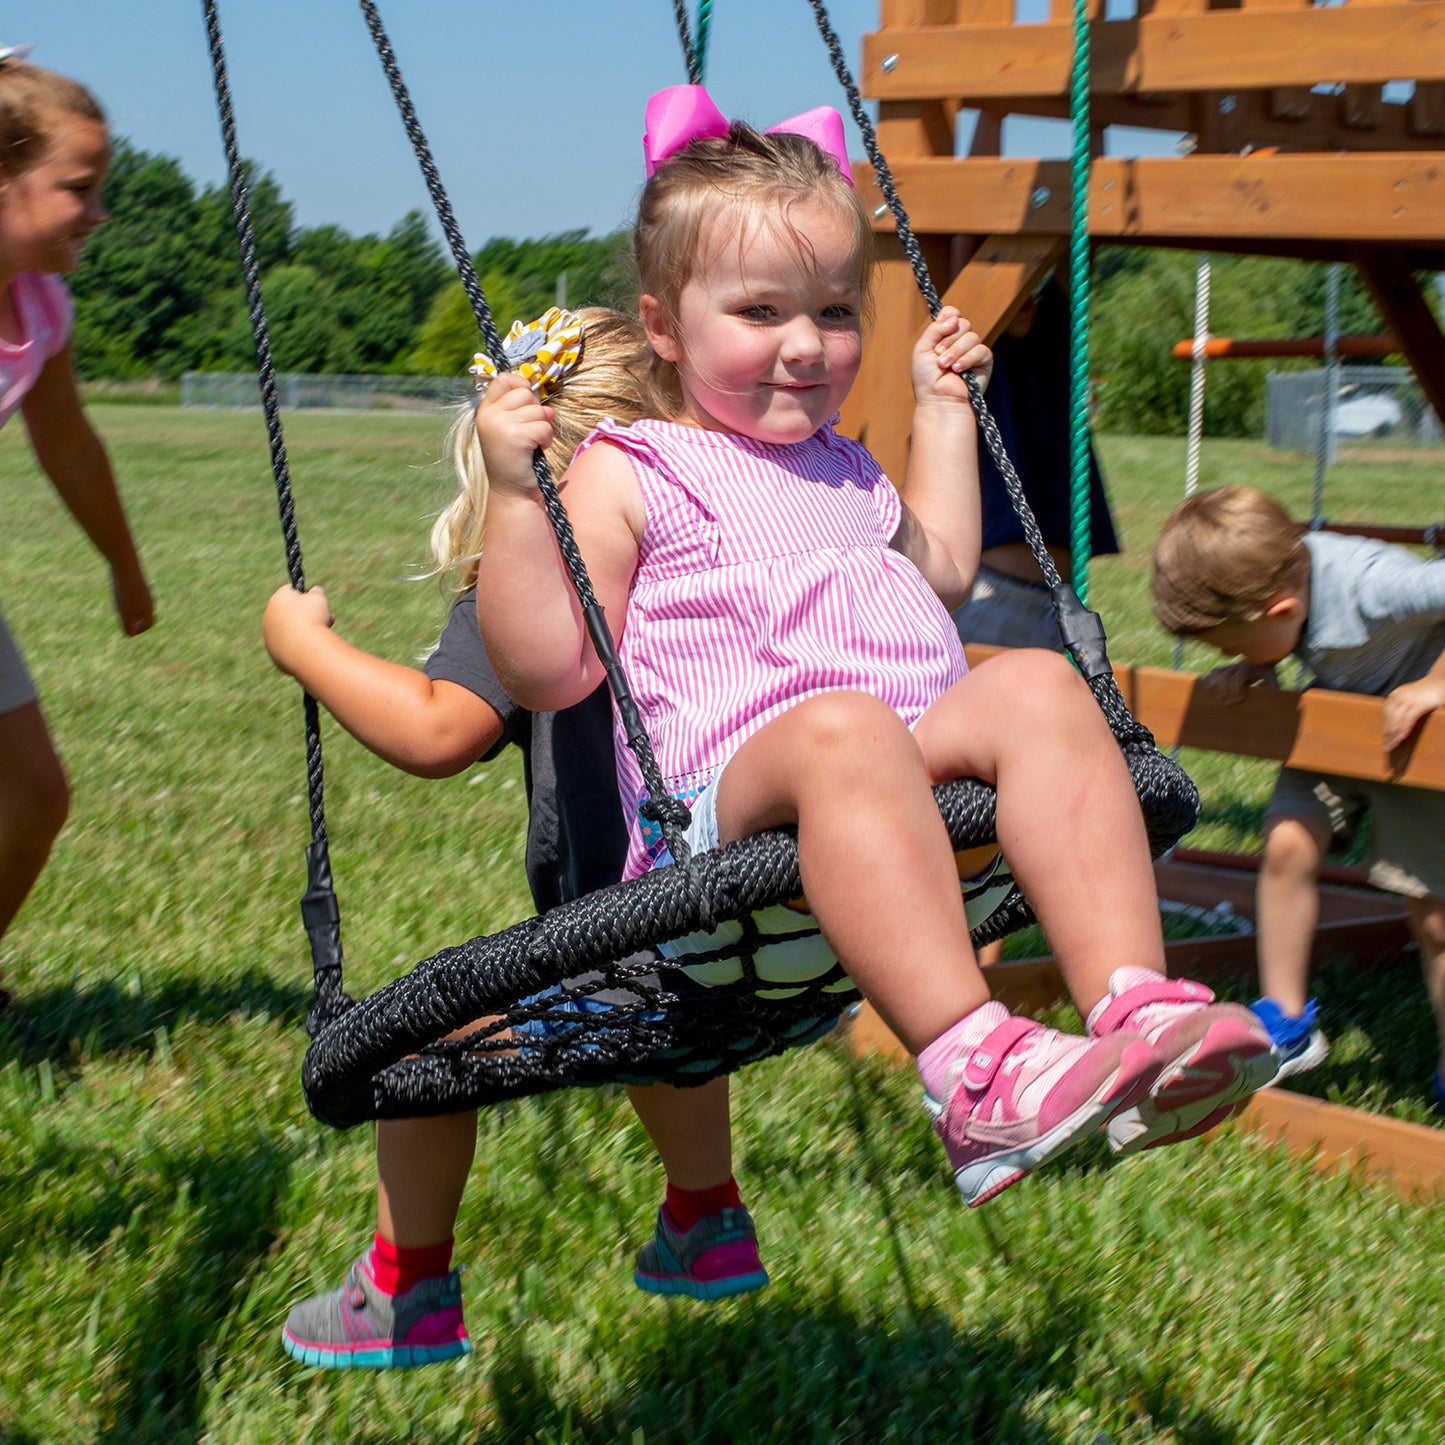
(1079, 471)
(704, 19)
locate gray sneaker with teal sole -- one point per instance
(358, 1327)
(716, 1258)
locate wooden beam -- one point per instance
(999, 276)
(1318, 729)
(1383, 198)
(1225, 50)
(1407, 313)
(1410, 1157)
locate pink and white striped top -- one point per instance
(765, 576)
(44, 310)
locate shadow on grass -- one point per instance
(831, 1374)
(68, 1022)
(155, 1390)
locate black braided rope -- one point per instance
(648, 1021)
(319, 911)
(690, 54)
(661, 807)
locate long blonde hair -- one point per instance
(605, 382)
(758, 178)
(31, 98)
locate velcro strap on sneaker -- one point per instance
(1167, 990)
(985, 1058)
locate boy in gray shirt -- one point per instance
(1232, 570)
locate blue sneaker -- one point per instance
(1437, 1090)
(1299, 1041)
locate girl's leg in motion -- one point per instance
(1070, 825)
(34, 801)
(401, 1304)
(878, 871)
(704, 1244)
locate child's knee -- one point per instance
(1292, 848)
(1427, 922)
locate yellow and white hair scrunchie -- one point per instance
(543, 352)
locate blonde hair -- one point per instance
(605, 382)
(1222, 557)
(31, 98)
(748, 174)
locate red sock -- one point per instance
(687, 1206)
(396, 1269)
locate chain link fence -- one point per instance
(301, 391)
(1371, 404)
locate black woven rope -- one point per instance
(319, 910)
(689, 50)
(660, 806)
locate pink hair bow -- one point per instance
(684, 113)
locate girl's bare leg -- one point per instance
(421, 1174)
(34, 801)
(1069, 821)
(691, 1130)
(877, 864)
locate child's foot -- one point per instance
(716, 1258)
(1214, 1056)
(1297, 1040)
(1437, 1090)
(360, 1327)
(1025, 1093)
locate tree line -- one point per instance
(161, 292)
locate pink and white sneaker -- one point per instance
(1213, 1057)
(1025, 1093)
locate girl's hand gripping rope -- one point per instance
(511, 426)
(948, 348)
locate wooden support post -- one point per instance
(1407, 313)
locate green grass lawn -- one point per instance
(166, 1197)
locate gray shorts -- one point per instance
(1004, 611)
(1405, 852)
(16, 687)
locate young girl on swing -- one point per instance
(777, 609)
(401, 1304)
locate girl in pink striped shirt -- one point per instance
(54, 151)
(782, 616)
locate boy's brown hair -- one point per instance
(1222, 557)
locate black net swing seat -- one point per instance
(570, 1013)
(582, 995)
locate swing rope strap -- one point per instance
(320, 913)
(660, 806)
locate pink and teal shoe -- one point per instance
(715, 1259)
(358, 1327)
(1213, 1056)
(1025, 1093)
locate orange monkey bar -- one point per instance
(1220, 348)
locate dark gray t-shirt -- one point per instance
(576, 841)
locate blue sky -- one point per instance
(534, 112)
